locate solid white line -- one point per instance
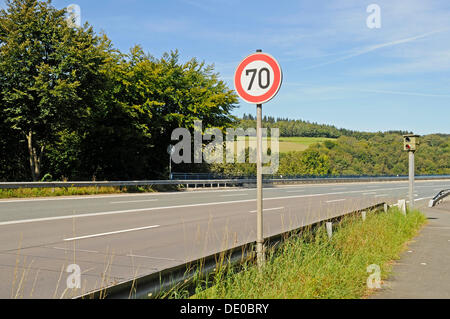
(111, 233)
(422, 198)
(232, 195)
(336, 200)
(82, 250)
(268, 209)
(381, 195)
(171, 207)
(134, 201)
(372, 193)
(148, 257)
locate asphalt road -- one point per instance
(118, 237)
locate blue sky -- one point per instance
(336, 70)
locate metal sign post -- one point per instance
(259, 223)
(257, 80)
(170, 151)
(411, 179)
(410, 143)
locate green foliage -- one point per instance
(310, 162)
(382, 154)
(291, 128)
(50, 73)
(84, 110)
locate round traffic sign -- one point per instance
(258, 78)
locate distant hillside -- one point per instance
(300, 128)
(350, 153)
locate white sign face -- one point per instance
(258, 78)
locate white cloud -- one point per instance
(369, 49)
(319, 91)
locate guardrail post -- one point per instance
(363, 215)
(329, 229)
(402, 206)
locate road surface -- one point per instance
(113, 238)
(423, 272)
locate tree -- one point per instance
(160, 95)
(49, 72)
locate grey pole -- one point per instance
(170, 166)
(259, 223)
(260, 236)
(411, 180)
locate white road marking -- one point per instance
(417, 199)
(148, 257)
(268, 209)
(82, 250)
(111, 233)
(381, 195)
(171, 207)
(134, 201)
(232, 195)
(336, 200)
(372, 193)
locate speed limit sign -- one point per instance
(258, 78)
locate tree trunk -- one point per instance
(35, 156)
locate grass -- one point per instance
(289, 144)
(310, 266)
(71, 191)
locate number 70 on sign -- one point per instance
(258, 78)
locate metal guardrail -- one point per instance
(156, 284)
(214, 176)
(440, 196)
(210, 182)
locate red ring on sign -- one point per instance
(258, 99)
